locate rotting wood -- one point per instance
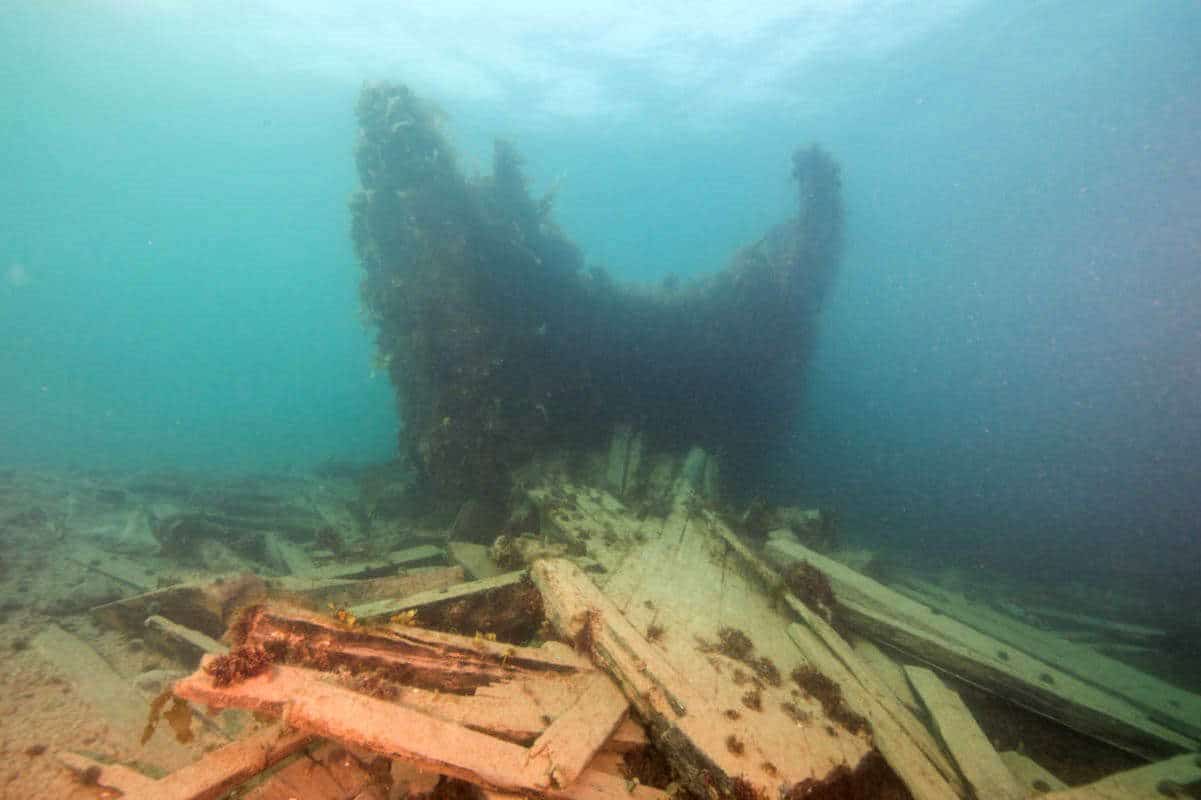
(688, 693)
(116, 777)
(474, 559)
(381, 609)
(978, 761)
(382, 566)
(347, 592)
(118, 568)
(890, 672)
(914, 628)
(189, 644)
(1031, 775)
(903, 753)
(880, 695)
(1164, 703)
(223, 769)
(205, 607)
(324, 772)
(415, 656)
(1177, 777)
(306, 701)
(571, 741)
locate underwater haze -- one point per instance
(1009, 365)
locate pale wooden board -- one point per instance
(385, 608)
(223, 769)
(1140, 784)
(379, 567)
(1165, 703)
(913, 627)
(307, 702)
(697, 584)
(474, 559)
(902, 752)
(877, 693)
(684, 693)
(184, 640)
(890, 672)
(119, 568)
(581, 731)
(978, 761)
(1031, 775)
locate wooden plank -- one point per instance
(891, 673)
(93, 679)
(1029, 774)
(577, 735)
(379, 567)
(201, 606)
(474, 559)
(1168, 705)
(879, 695)
(116, 777)
(903, 754)
(1109, 627)
(348, 592)
(307, 702)
(930, 636)
(221, 770)
(123, 570)
(979, 763)
(1178, 777)
(190, 644)
(688, 693)
(381, 609)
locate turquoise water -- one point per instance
(1009, 368)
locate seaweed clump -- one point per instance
(237, 665)
(829, 694)
(811, 587)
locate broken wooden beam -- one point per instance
(1178, 777)
(1029, 774)
(909, 759)
(303, 699)
(225, 768)
(979, 763)
(1166, 704)
(712, 714)
(1021, 677)
(382, 609)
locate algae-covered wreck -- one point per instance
(504, 347)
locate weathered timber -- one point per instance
(1031, 775)
(880, 613)
(889, 671)
(715, 717)
(900, 726)
(324, 772)
(115, 777)
(382, 609)
(304, 700)
(125, 571)
(96, 683)
(1177, 777)
(221, 770)
(903, 753)
(1166, 704)
(189, 644)
(384, 565)
(982, 768)
(348, 592)
(205, 607)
